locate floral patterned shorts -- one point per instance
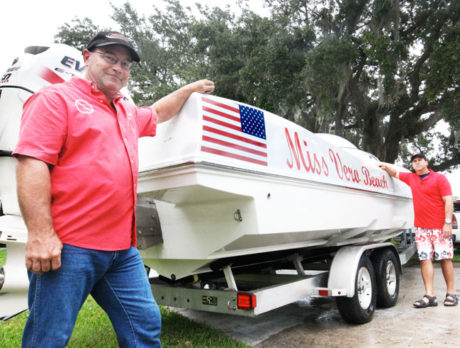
(431, 242)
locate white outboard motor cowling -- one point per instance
(38, 67)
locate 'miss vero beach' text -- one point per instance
(303, 158)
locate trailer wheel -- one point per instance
(360, 308)
(387, 276)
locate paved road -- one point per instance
(317, 323)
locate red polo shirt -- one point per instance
(427, 193)
(94, 154)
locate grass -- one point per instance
(2, 257)
(93, 329)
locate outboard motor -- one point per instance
(37, 67)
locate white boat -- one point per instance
(223, 181)
(230, 180)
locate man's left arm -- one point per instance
(171, 104)
(449, 210)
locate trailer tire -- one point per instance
(387, 276)
(360, 308)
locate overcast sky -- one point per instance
(31, 22)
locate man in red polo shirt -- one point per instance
(433, 208)
(77, 177)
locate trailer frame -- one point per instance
(253, 293)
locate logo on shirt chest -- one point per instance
(83, 106)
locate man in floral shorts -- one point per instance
(433, 209)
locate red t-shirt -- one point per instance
(427, 193)
(94, 154)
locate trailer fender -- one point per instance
(344, 266)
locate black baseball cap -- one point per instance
(106, 38)
(418, 155)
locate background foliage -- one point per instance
(381, 73)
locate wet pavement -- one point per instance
(317, 322)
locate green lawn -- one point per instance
(2, 257)
(93, 329)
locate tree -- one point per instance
(78, 34)
(381, 73)
(384, 71)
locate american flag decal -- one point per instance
(233, 130)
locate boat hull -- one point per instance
(209, 212)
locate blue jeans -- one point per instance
(118, 282)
